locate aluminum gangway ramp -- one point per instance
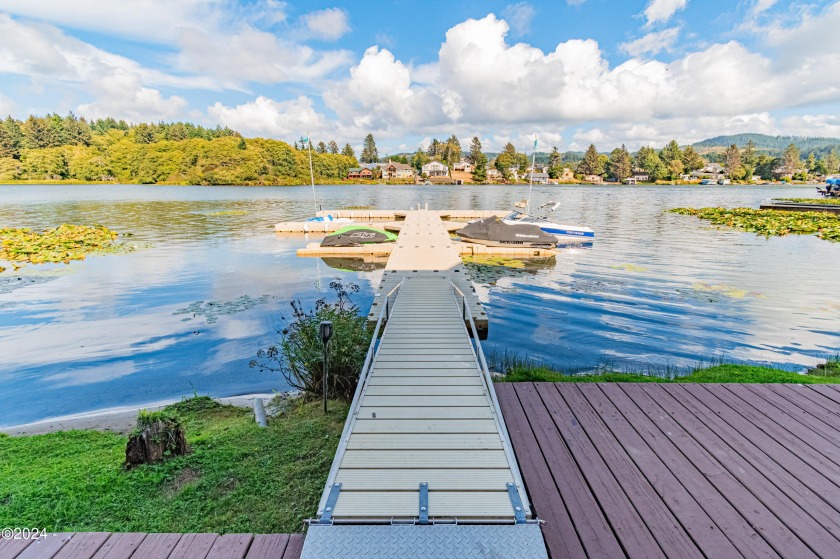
(425, 467)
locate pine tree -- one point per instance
(510, 150)
(791, 159)
(332, 147)
(620, 165)
(11, 138)
(811, 162)
(348, 151)
(691, 160)
(732, 162)
(671, 152)
(475, 150)
(322, 147)
(591, 163)
(369, 152)
(452, 150)
(832, 161)
(749, 157)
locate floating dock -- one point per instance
(382, 219)
(794, 207)
(425, 467)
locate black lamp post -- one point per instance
(326, 333)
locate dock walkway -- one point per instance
(424, 442)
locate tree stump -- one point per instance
(155, 442)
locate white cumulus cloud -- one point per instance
(662, 10)
(652, 43)
(329, 24)
(519, 17)
(265, 117)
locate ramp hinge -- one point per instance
(424, 503)
(516, 502)
(329, 508)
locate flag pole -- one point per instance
(531, 183)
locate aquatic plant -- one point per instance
(770, 222)
(60, 244)
(212, 310)
(299, 356)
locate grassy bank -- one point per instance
(827, 373)
(239, 478)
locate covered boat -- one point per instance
(492, 231)
(357, 235)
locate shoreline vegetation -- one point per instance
(770, 223)
(71, 150)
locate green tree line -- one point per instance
(69, 148)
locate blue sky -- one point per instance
(573, 72)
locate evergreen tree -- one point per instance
(620, 164)
(832, 162)
(452, 150)
(144, 134)
(419, 159)
(671, 152)
(811, 162)
(369, 152)
(480, 167)
(11, 138)
(555, 163)
(510, 150)
(749, 157)
(475, 150)
(591, 163)
(732, 162)
(504, 162)
(35, 134)
(791, 159)
(434, 148)
(322, 147)
(648, 161)
(332, 147)
(348, 151)
(691, 160)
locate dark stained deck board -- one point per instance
(685, 506)
(120, 546)
(106, 545)
(268, 546)
(787, 526)
(743, 471)
(592, 527)
(668, 532)
(558, 525)
(693, 466)
(230, 546)
(780, 445)
(631, 529)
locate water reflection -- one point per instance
(654, 289)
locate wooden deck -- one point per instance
(105, 545)
(424, 415)
(680, 470)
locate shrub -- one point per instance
(299, 356)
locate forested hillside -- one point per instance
(69, 148)
(773, 145)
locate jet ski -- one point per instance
(357, 235)
(494, 232)
(550, 226)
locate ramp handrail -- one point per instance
(351, 417)
(497, 411)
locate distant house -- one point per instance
(359, 173)
(538, 178)
(567, 174)
(537, 169)
(493, 174)
(463, 166)
(593, 178)
(393, 170)
(514, 172)
(640, 177)
(710, 171)
(435, 169)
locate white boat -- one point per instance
(548, 226)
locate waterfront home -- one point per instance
(463, 166)
(538, 178)
(710, 171)
(595, 179)
(393, 170)
(359, 173)
(493, 174)
(514, 172)
(435, 169)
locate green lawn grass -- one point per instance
(822, 374)
(239, 478)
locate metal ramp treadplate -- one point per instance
(479, 541)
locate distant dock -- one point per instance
(794, 207)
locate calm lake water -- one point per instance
(209, 280)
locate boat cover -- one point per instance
(356, 235)
(495, 230)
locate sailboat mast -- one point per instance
(531, 182)
(311, 173)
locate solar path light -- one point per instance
(326, 330)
